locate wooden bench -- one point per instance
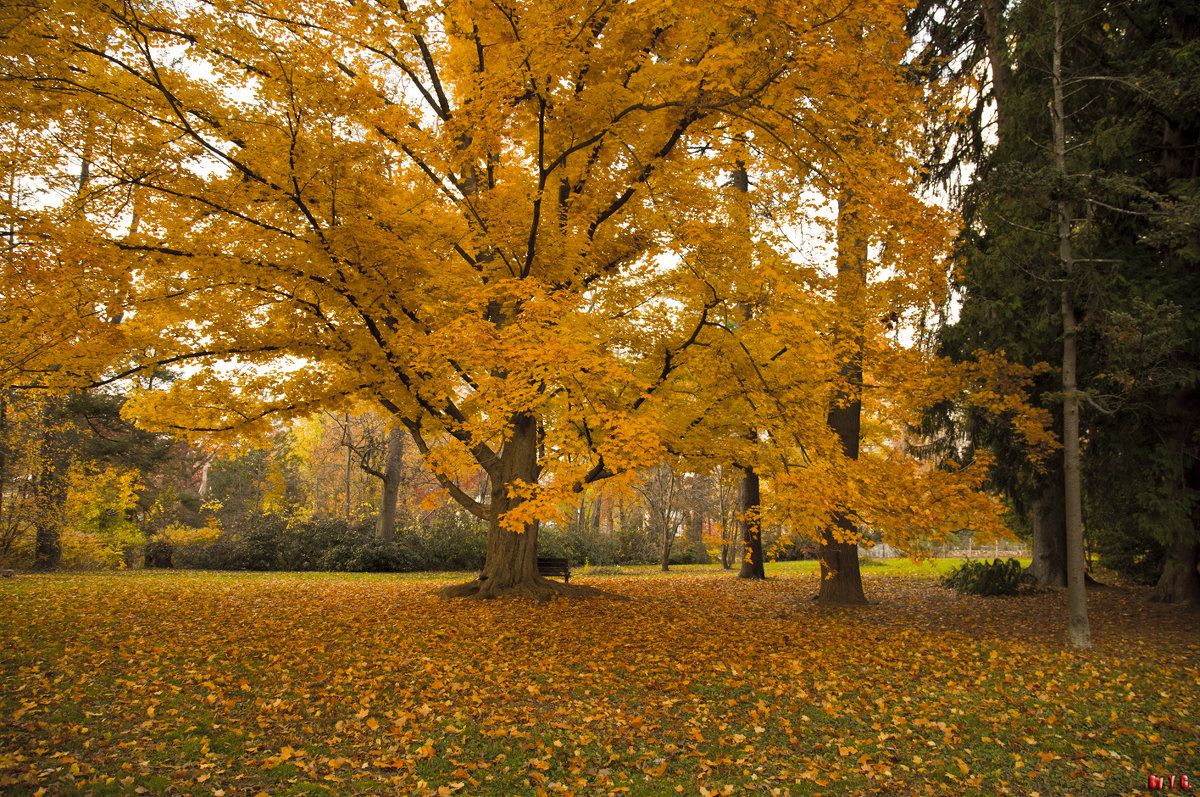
(554, 566)
(547, 566)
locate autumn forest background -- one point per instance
(306, 304)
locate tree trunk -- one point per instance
(667, 544)
(5, 540)
(750, 518)
(726, 531)
(1180, 580)
(749, 493)
(997, 51)
(1078, 633)
(841, 579)
(385, 524)
(50, 496)
(696, 536)
(1049, 559)
(510, 568)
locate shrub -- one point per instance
(980, 577)
(158, 553)
(449, 540)
(258, 543)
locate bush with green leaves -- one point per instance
(981, 577)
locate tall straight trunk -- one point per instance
(841, 579)
(998, 59)
(1078, 633)
(726, 530)
(749, 491)
(696, 537)
(3, 460)
(50, 491)
(1180, 580)
(669, 529)
(1048, 565)
(385, 524)
(750, 515)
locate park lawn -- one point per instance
(245, 684)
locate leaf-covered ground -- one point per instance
(236, 684)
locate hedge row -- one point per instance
(450, 542)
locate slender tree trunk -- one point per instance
(723, 508)
(668, 542)
(50, 492)
(385, 524)
(696, 536)
(669, 529)
(1078, 633)
(1049, 556)
(4, 539)
(841, 579)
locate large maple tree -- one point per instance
(501, 222)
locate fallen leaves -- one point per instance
(352, 685)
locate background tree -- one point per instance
(331, 200)
(1122, 66)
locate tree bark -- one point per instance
(1180, 579)
(750, 519)
(510, 568)
(1049, 557)
(385, 524)
(50, 493)
(696, 536)
(1078, 633)
(749, 492)
(841, 579)
(997, 51)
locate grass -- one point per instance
(246, 684)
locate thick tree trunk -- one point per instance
(510, 568)
(1049, 557)
(1180, 579)
(385, 524)
(750, 519)
(841, 579)
(1078, 633)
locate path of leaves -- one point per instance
(243, 684)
